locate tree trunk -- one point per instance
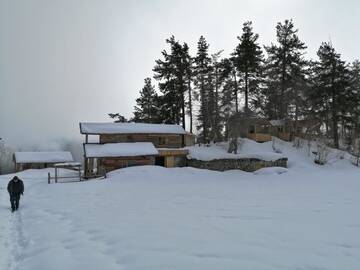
(183, 111)
(246, 91)
(334, 114)
(190, 106)
(236, 92)
(204, 110)
(335, 131)
(283, 108)
(296, 115)
(217, 132)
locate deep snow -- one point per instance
(151, 217)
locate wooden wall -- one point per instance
(190, 139)
(159, 140)
(113, 163)
(259, 137)
(27, 166)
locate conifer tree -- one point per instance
(202, 81)
(146, 109)
(218, 81)
(171, 72)
(188, 63)
(284, 63)
(330, 95)
(355, 99)
(227, 92)
(117, 117)
(247, 59)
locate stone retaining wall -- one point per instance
(244, 164)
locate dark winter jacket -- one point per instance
(15, 188)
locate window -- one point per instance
(162, 140)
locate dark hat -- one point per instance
(16, 178)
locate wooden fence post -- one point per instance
(56, 175)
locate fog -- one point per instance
(65, 61)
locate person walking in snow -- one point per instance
(15, 189)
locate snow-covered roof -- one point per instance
(43, 157)
(127, 128)
(68, 164)
(120, 149)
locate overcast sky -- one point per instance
(65, 61)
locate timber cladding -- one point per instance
(159, 140)
(114, 163)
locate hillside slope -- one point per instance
(303, 217)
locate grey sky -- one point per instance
(64, 61)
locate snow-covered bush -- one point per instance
(298, 142)
(309, 144)
(276, 145)
(240, 143)
(235, 145)
(321, 153)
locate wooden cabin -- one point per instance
(261, 129)
(254, 128)
(283, 129)
(39, 160)
(287, 130)
(167, 140)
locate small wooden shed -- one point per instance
(40, 159)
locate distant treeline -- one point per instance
(275, 82)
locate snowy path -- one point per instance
(183, 218)
(5, 228)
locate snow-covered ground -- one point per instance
(305, 217)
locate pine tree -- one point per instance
(218, 81)
(227, 99)
(146, 109)
(188, 66)
(118, 118)
(330, 95)
(284, 64)
(168, 102)
(172, 76)
(247, 60)
(202, 82)
(355, 100)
